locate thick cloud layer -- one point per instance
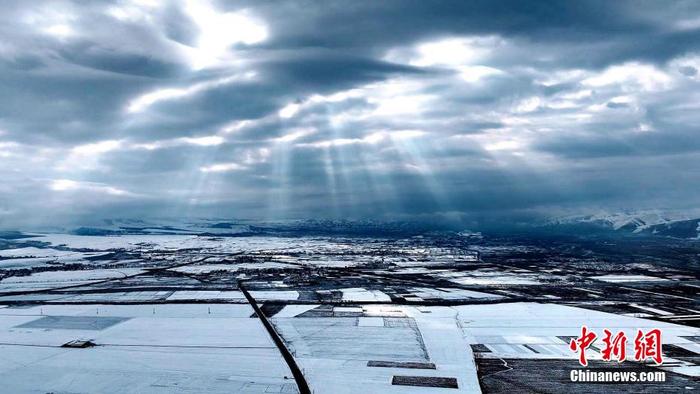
(362, 109)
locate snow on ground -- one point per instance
(31, 252)
(178, 349)
(283, 295)
(28, 262)
(56, 279)
(225, 245)
(628, 278)
(38, 297)
(207, 268)
(451, 294)
(384, 310)
(143, 310)
(652, 310)
(125, 296)
(336, 263)
(99, 242)
(294, 310)
(363, 295)
(249, 244)
(370, 321)
(129, 296)
(447, 347)
(506, 328)
(333, 352)
(486, 280)
(206, 295)
(30, 257)
(641, 219)
(112, 370)
(535, 322)
(44, 252)
(78, 275)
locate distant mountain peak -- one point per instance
(673, 223)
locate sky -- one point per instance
(346, 109)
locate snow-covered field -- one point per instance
(506, 328)
(280, 295)
(168, 312)
(30, 257)
(141, 348)
(334, 352)
(628, 278)
(207, 268)
(492, 278)
(58, 279)
(364, 295)
(452, 294)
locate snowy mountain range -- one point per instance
(675, 224)
(685, 225)
(244, 228)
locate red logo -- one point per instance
(582, 343)
(646, 345)
(614, 347)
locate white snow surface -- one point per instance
(628, 278)
(363, 295)
(333, 352)
(56, 279)
(178, 349)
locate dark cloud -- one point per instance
(328, 71)
(391, 109)
(123, 63)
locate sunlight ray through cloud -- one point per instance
(144, 101)
(67, 185)
(219, 31)
(222, 167)
(269, 109)
(204, 141)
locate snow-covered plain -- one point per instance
(153, 349)
(506, 328)
(334, 352)
(192, 328)
(364, 295)
(207, 268)
(452, 294)
(59, 279)
(628, 278)
(73, 276)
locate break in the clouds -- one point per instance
(346, 109)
